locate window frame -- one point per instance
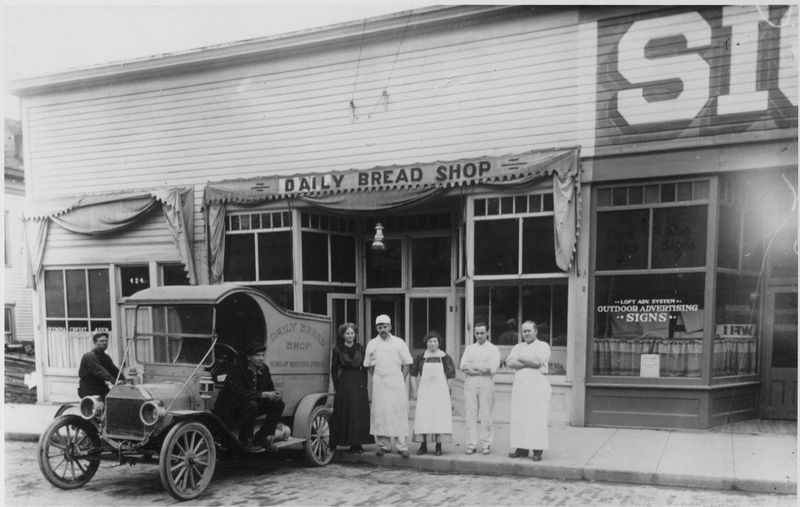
(710, 199)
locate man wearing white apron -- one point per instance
(389, 361)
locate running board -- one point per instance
(289, 442)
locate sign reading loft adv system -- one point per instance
(697, 73)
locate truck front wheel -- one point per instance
(187, 460)
(69, 452)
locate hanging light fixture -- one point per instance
(377, 241)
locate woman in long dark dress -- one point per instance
(350, 418)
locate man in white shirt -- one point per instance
(389, 361)
(479, 363)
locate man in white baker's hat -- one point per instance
(389, 361)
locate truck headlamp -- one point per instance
(151, 411)
(91, 407)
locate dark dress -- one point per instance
(350, 419)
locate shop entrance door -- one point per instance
(427, 313)
(392, 305)
(779, 389)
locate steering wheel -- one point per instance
(224, 355)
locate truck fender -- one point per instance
(303, 411)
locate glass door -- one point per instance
(779, 390)
(427, 313)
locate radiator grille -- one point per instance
(122, 418)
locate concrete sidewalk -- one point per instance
(763, 463)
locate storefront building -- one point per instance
(626, 177)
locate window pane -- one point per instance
(275, 256)
(784, 335)
(480, 207)
(240, 257)
(504, 306)
(315, 256)
(752, 243)
(619, 196)
(649, 314)
(635, 195)
(622, 239)
(536, 306)
(99, 297)
(343, 258)
(679, 237)
(430, 262)
(427, 315)
(76, 293)
(559, 325)
(728, 253)
(54, 293)
(538, 250)
(133, 279)
(604, 197)
(174, 274)
(496, 247)
(282, 295)
(384, 268)
(735, 342)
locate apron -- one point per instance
(389, 415)
(434, 410)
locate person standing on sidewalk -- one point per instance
(479, 363)
(350, 418)
(530, 394)
(389, 361)
(97, 371)
(432, 372)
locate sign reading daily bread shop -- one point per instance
(524, 167)
(686, 73)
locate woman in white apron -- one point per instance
(530, 394)
(432, 371)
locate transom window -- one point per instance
(514, 235)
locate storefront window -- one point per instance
(258, 246)
(132, 279)
(329, 248)
(679, 237)
(315, 297)
(430, 262)
(503, 223)
(658, 316)
(77, 305)
(737, 328)
(282, 295)
(384, 269)
(505, 307)
(174, 274)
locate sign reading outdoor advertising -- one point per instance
(671, 75)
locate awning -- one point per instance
(107, 213)
(528, 166)
(397, 188)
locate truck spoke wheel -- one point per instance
(68, 452)
(187, 461)
(317, 446)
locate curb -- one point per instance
(21, 437)
(493, 466)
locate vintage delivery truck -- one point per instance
(185, 339)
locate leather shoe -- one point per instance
(356, 449)
(486, 451)
(469, 450)
(404, 454)
(438, 451)
(423, 449)
(380, 452)
(250, 446)
(519, 453)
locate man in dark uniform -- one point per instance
(248, 393)
(97, 371)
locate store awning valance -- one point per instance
(392, 189)
(411, 177)
(101, 214)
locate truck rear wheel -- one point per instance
(69, 452)
(318, 439)
(187, 460)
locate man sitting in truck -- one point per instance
(248, 393)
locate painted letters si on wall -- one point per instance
(690, 77)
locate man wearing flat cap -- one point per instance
(389, 361)
(247, 394)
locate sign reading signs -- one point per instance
(715, 70)
(647, 310)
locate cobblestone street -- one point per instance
(288, 482)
